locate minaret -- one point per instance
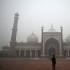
(14, 31)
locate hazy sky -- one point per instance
(32, 15)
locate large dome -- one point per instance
(32, 38)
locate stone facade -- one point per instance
(51, 43)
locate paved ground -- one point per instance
(32, 64)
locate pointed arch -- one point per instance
(51, 46)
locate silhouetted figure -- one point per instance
(53, 62)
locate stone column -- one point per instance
(43, 48)
(61, 43)
(43, 52)
(19, 51)
(30, 53)
(60, 48)
(68, 53)
(35, 53)
(22, 52)
(25, 52)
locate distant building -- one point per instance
(51, 43)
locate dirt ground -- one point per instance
(32, 64)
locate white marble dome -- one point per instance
(52, 29)
(32, 38)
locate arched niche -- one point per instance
(51, 47)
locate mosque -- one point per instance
(51, 43)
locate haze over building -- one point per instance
(51, 43)
(33, 15)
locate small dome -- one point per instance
(68, 38)
(51, 29)
(32, 38)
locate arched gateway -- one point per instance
(52, 42)
(51, 47)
